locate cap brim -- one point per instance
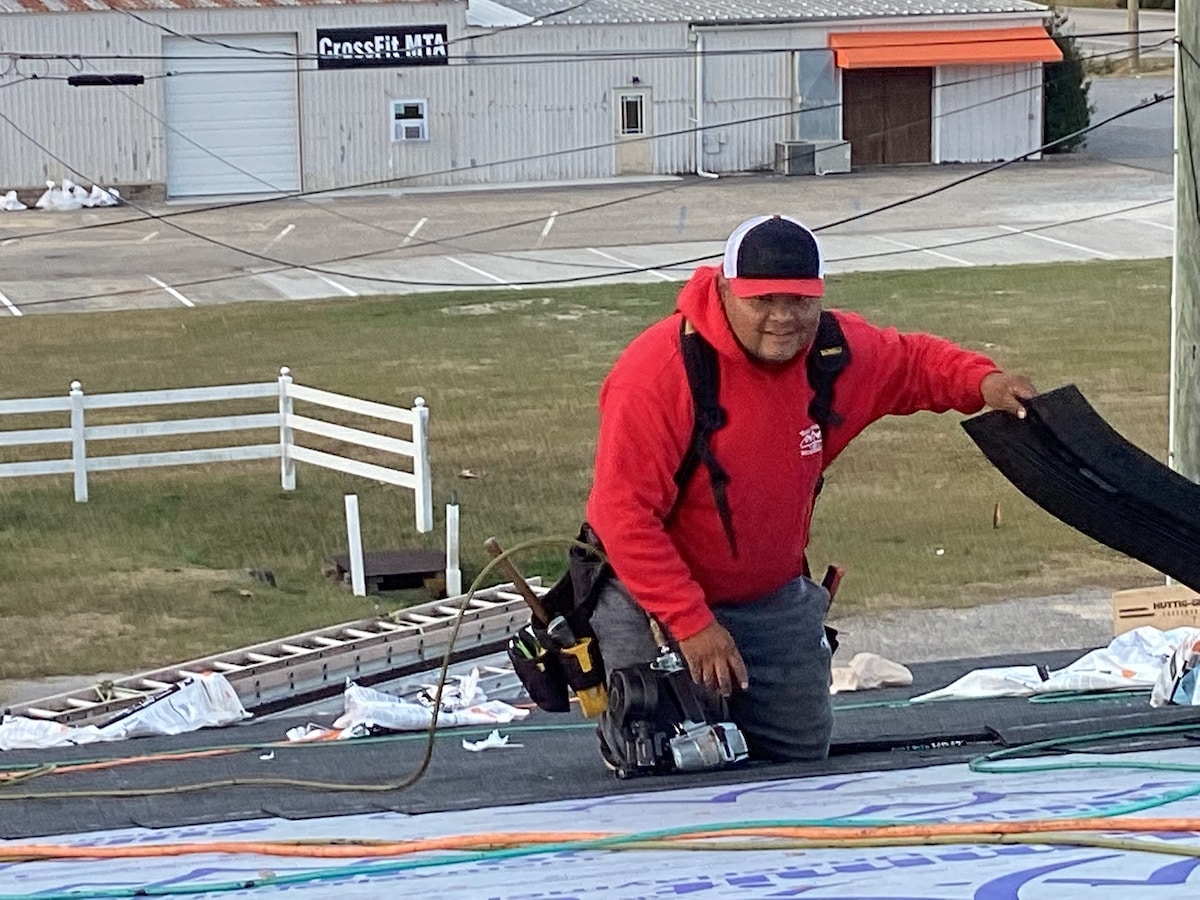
(756, 287)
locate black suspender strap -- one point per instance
(703, 374)
(826, 359)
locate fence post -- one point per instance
(453, 572)
(358, 581)
(424, 491)
(78, 443)
(287, 466)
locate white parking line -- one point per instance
(946, 256)
(629, 265)
(341, 287)
(546, 228)
(1159, 225)
(170, 290)
(10, 306)
(151, 236)
(279, 237)
(412, 234)
(1042, 237)
(495, 278)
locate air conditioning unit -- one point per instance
(811, 157)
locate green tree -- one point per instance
(1065, 105)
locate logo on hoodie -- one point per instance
(810, 441)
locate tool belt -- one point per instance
(562, 654)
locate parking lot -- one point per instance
(1103, 204)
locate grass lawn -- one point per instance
(152, 570)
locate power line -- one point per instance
(1058, 223)
(1016, 232)
(627, 56)
(314, 56)
(430, 174)
(524, 58)
(445, 243)
(632, 270)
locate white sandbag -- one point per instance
(868, 671)
(368, 708)
(206, 701)
(24, 733)
(59, 199)
(102, 197)
(1177, 681)
(1003, 681)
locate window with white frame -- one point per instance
(633, 109)
(410, 120)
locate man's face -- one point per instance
(772, 328)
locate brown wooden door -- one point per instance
(887, 115)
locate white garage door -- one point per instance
(232, 121)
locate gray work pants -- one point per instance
(785, 714)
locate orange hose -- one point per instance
(341, 849)
(338, 850)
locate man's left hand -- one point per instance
(1004, 391)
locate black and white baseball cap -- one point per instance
(773, 255)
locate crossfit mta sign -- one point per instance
(390, 45)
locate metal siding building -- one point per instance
(606, 88)
(987, 113)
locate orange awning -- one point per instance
(893, 49)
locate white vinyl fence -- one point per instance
(82, 437)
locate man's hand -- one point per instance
(1004, 391)
(714, 660)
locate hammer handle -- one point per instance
(493, 547)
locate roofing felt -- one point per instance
(599, 12)
(558, 759)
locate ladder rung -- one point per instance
(423, 620)
(424, 630)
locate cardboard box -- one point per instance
(1164, 607)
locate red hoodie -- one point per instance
(770, 447)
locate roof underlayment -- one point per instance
(891, 762)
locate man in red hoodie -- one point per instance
(747, 621)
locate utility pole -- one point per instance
(1184, 418)
(1134, 28)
